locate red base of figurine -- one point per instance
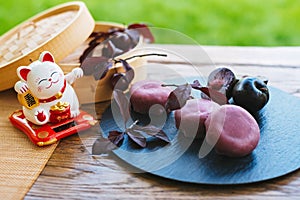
(51, 132)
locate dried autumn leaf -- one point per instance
(134, 36)
(88, 51)
(136, 137)
(101, 72)
(178, 97)
(117, 40)
(144, 30)
(103, 146)
(125, 64)
(110, 50)
(215, 96)
(119, 81)
(116, 137)
(100, 36)
(153, 131)
(222, 80)
(92, 64)
(129, 70)
(162, 135)
(123, 104)
(122, 41)
(149, 129)
(129, 75)
(196, 83)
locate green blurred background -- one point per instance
(209, 22)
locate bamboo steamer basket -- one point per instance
(59, 30)
(88, 89)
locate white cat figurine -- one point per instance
(47, 83)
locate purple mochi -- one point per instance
(146, 93)
(232, 131)
(191, 117)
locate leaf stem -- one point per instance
(133, 124)
(139, 56)
(169, 85)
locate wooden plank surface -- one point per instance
(72, 173)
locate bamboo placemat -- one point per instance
(21, 162)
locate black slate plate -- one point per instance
(277, 153)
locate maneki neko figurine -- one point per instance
(50, 105)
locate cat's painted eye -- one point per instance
(44, 79)
(53, 73)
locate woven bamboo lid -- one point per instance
(59, 30)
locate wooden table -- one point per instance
(72, 173)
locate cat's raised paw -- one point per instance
(21, 87)
(78, 73)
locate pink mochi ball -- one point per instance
(191, 117)
(232, 131)
(146, 93)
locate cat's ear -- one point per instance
(22, 72)
(46, 56)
